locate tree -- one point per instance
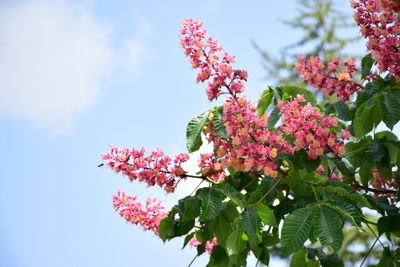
(308, 168)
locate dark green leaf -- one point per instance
(375, 151)
(389, 224)
(189, 208)
(328, 227)
(390, 108)
(218, 123)
(250, 221)
(193, 132)
(366, 64)
(221, 227)
(274, 117)
(235, 243)
(187, 239)
(296, 229)
(166, 228)
(342, 111)
(231, 193)
(331, 261)
(211, 203)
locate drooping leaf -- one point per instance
(218, 123)
(274, 117)
(342, 110)
(187, 239)
(235, 243)
(231, 193)
(389, 224)
(366, 64)
(375, 152)
(266, 215)
(299, 259)
(265, 101)
(250, 221)
(296, 229)
(211, 203)
(189, 208)
(193, 132)
(221, 227)
(390, 108)
(363, 121)
(328, 227)
(166, 229)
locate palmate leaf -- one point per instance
(296, 229)
(328, 227)
(193, 132)
(250, 221)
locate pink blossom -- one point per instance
(153, 169)
(132, 210)
(327, 78)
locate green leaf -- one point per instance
(265, 101)
(182, 228)
(266, 215)
(211, 203)
(364, 118)
(235, 243)
(262, 188)
(390, 108)
(342, 212)
(352, 196)
(218, 123)
(166, 229)
(331, 261)
(231, 193)
(189, 208)
(221, 227)
(218, 257)
(193, 132)
(274, 117)
(366, 64)
(250, 221)
(294, 91)
(187, 239)
(375, 151)
(385, 136)
(296, 229)
(342, 111)
(299, 259)
(328, 227)
(389, 224)
(394, 151)
(341, 166)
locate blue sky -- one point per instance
(76, 76)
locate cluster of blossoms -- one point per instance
(153, 169)
(328, 79)
(311, 129)
(131, 210)
(209, 244)
(378, 21)
(208, 56)
(382, 184)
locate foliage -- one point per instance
(290, 180)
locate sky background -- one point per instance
(76, 76)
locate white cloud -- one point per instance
(54, 57)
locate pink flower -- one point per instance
(154, 169)
(132, 210)
(214, 64)
(326, 78)
(379, 24)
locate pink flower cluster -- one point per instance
(311, 129)
(328, 79)
(380, 183)
(208, 56)
(379, 23)
(209, 244)
(132, 210)
(154, 169)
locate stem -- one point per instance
(369, 251)
(366, 188)
(197, 187)
(190, 264)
